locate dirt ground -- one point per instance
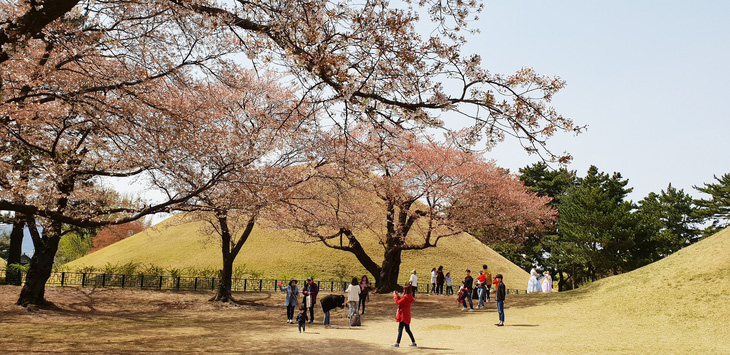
(135, 321)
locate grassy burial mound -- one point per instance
(679, 303)
(3, 263)
(272, 253)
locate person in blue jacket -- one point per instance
(292, 293)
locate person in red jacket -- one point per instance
(403, 317)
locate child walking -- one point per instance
(501, 293)
(302, 319)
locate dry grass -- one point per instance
(3, 263)
(676, 306)
(277, 254)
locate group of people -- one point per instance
(438, 279)
(535, 285)
(357, 293)
(483, 288)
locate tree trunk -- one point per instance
(16, 239)
(41, 266)
(224, 286)
(388, 279)
(561, 281)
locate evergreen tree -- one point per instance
(716, 209)
(595, 224)
(668, 223)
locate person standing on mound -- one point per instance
(501, 293)
(403, 315)
(292, 293)
(329, 303)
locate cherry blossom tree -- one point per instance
(114, 91)
(409, 193)
(268, 134)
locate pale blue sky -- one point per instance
(650, 78)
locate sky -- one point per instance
(649, 78)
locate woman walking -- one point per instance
(364, 291)
(353, 296)
(292, 293)
(403, 317)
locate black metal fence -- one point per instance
(169, 282)
(159, 282)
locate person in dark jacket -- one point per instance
(501, 293)
(302, 319)
(329, 303)
(468, 285)
(310, 290)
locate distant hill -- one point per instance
(274, 253)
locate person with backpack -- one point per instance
(403, 315)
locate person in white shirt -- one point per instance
(414, 282)
(434, 275)
(353, 296)
(449, 284)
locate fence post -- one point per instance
(141, 281)
(212, 283)
(103, 280)
(178, 283)
(261, 285)
(83, 280)
(63, 278)
(244, 284)
(124, 276)
(332, 286)
(195, 286)
(160, 283)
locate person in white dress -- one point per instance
(533, 285)
(547, 282)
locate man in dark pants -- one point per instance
(501, 293)
(310, 289)
(466, 295)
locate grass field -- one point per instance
(678, 305)
(273, 253)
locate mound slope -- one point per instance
(3, 263)
(273, 253)
(678, 303)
